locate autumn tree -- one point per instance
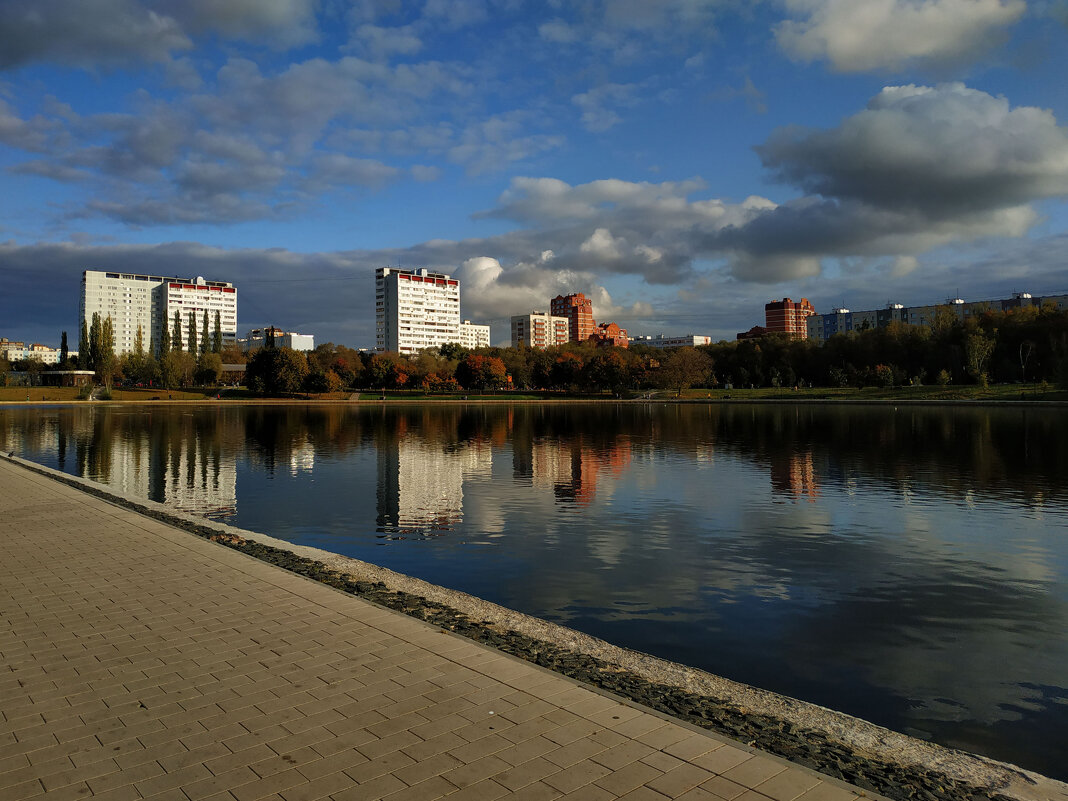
(684, 368)
(481, 372)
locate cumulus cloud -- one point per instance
(110, 33)
(596, 104)
(919, 168)
(939, 150)
(497, 141)
(862, 35)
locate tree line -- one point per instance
(1028, 344)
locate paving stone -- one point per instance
(144, 662)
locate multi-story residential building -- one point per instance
(578, 309)
(257, 338)
(474, 336)
(21, 351)
(415, 309)
(149, 302)
(840, 321)
(787, 317)
(667, 343)
(539, 329)
(610, 334)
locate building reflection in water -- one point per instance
(421, 477)
(794, 475)
(178, 461)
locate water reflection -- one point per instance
(905, 565)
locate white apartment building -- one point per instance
(257, 338)
(150, 301)
(23, 351)
(415, 309)
(474, 336)
(539, 329)
(666, 343)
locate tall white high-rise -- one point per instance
(415, 309)
(150, 301)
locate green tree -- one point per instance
(176, 332)
(64, 353)
(205, 343)
(208, 370)
(164, 342)
(83, 346)
(684, 368)
(977, 350)
(191, 334)
(319, 381)
(216, 337)
(607, 370)
(276, 371)
(106, 363)
(176, 369)
(452, 350)
(95, 342)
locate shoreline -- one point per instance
(836, 744)
(801, 401)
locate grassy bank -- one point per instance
(999, 393)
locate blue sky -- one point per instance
(680, 161)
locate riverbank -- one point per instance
(867, 755)
(1006, 393)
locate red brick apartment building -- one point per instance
(787, 317)
(578, 309)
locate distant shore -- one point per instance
(1002, 394)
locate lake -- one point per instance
(908, 565)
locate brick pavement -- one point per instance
(140, 661)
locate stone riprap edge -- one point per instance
(941, 773)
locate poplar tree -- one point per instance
(64, 353)
(204, 341)
(216, 339)
(105, 365)
(139, 343)
(95, 342)
(83, 346)
(191, 334)
(176, 332)
(164, 342)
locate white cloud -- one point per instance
(945, 150)
(861, 35)
(597, 114)
(602, 245)
(381, 43)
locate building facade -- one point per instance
(610, 335)
(822, 327)
(257, 338)
(539, 329)
(474, 336)
(787, 317)
(415, 309)
(149, 302)
(578, 310)
(667, 343)
(23, 351)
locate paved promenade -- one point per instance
(140, 661)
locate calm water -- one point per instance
(909, 566)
